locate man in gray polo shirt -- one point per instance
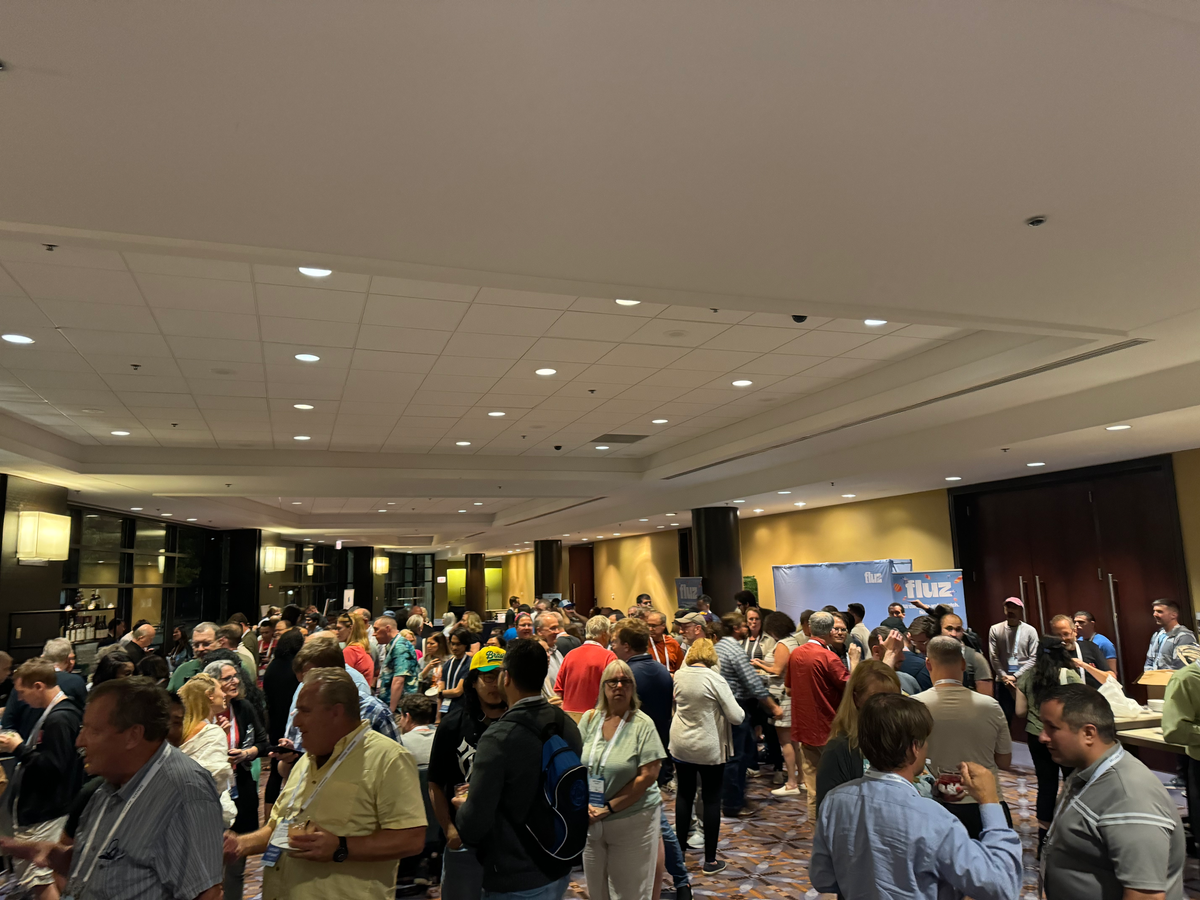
(153, 830)
(1116, 831)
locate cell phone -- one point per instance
(278, 748)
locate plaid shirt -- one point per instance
(744, 681)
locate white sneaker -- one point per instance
(696, 839)
(786, 791)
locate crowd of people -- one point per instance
(399, 754)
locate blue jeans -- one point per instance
(733, 795)
(674, 853)
(552, 891)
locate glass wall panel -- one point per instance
(100, 532)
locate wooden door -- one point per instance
(581, 578)
(1065, 552)
(995, 555)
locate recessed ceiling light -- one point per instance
(602, 446)
(302, 405)
(92, 410)
(783, 492)
(462, 443)
(739, 501)
(849, 496)
(308, 357)
(658, 421)
(954, 478)
(1034, 465)
(799, 503)
(660, 526)
(478, 503)
(643, 520)
(17, 338)
(381, 510)
(874, 323)
(742, 382)
(600, 536)
(315, 273)
(168, 515)
(297, 502)
(670, 515)
(616, 534)
(191, 520)
(759, 510)
(497, 414)
(545, 371)
(120, 433)
(135, 509)
(1118, 427)
(462, 510)
(320, 542)
(628, 302)
(302, 437)
(391, 503)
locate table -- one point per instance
(1145, 720)
(1148, 737)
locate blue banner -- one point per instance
(937, 586)
(868, 582)
(687, 591)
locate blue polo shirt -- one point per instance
(655, 690)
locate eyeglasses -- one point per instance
(489, 677)
(619, 682)
(230, 679)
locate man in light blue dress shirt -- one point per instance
(878, 838)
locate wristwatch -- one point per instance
(340, 854)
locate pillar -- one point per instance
(476, 599)
(547, 568)
(717, 554)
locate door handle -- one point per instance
(1021, 587)
(1112, 598)
(1037, 583)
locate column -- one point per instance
(547, 568)
(476, 599)
(717, 554)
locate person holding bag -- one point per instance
(623, 753)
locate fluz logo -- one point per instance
(919, 589)
(873, 577)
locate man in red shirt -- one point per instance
(578, 679)
(816, 680)
(663, 648)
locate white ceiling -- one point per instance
(485, 181)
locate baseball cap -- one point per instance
(1017, 600)
(568, 604)
(691, 618)
(487, 659)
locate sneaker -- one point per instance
(683, 892)
(786, 791)
(747, 810)
(712, 868)
(695, 840)
(755, 773)
(779, 778)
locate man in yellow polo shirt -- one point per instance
(351, 808)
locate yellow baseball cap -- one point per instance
(487, 659)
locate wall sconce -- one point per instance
(310, 568)
(274, 559)
(380, 565)
(42, 536)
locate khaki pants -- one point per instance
(621, 856)
(810, 759)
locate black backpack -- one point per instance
(555, 831)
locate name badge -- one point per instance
(1012, 665)
(277, 844)
(596, 790)
(233, 791)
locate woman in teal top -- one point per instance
(622, 751)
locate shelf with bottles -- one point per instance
(85, 618)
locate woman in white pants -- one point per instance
(622, 751)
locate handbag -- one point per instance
(1122, 706)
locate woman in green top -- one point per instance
(622, 751)
(1054, 666)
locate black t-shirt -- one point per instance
(454, 743)
(79, 804)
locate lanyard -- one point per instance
(168, 749)
(654, 650)
(455, 672)
(41, 720)
(947, 681)
(612, 743)
(1070, 804)
(234, 743)
(346, 751)
(750, 645)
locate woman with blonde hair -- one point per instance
(701, 743)
(474, 625)
(356, 646)
(623, 753)
(842, 760)
(206, 743)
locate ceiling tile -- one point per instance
(684, 378)
(582, 389)
(308, 393)
(825, 343)
(212, 295)
(759, 382)
(290, 275)
(307, 376)
(215, 349)
(593, 326)
(673, 333)
(208, 402)
(81, 399)
(659, 394)
(303, 331)
(228, 387)
(503, 297)
(71, 314)
(615, 374)
(858, 326)
(465, 399)
(146, 383)
(118, 364)
(382, 361)
(20, 312)
(938, 332)
(713, 361)
(842, 367)
(15, 356)
(779, 364)
(138, 346)
(408, 340)
(464, 365)
(778, 320)
(891, 347)
(750, 337)
(43, 282)
(487, 347)
(556, 350)
(530, 387)
(432, 290)
(475, 383)
(609, 305)
(190, 267)
(203, 368)
(383, 407)
(46, 339)
(714, 396)
(309, 303)
(500, 320)
(703, 314)
(427, 423)
(803, 384)
(355, 443)
(501, 400)
(441, 315)
(62, 255)
(200, 323)
(392, 383)
(432, 411)
(168, 414)
(628, 407)
(285, 355)
(641, 355)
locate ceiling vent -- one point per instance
(556, 511)
(619, 438)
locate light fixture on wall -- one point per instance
(380, 565)
(310, 568)
(274, 559)
(42, 536)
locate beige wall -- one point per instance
(1187, 492)
(644, 564)
(911, 526)
(518, 577)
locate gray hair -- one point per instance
(543, 616)
(662, 618)
(415, 623)
(206, 626)
(820, 624)
(448, 620)
(213, 669)
(596, 626)
(57, 650)
(335, 687)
